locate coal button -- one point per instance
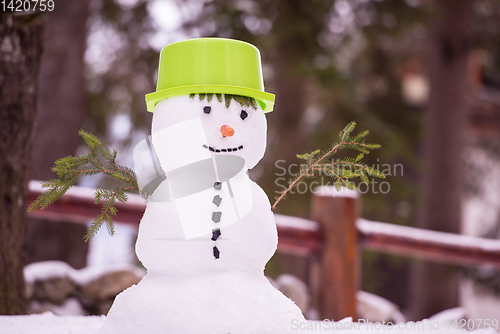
(216, 216)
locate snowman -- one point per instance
(208, 230)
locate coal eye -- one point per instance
(243, 114)
(207, 110)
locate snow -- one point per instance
(330, 191)
(48, 323)
(377, 308)
(296, 222)
(479, 302)
(450, 315)
(407, 232)
(70, 306)
(47, 270)
(55, 269)
(295, 289)
(88, 274)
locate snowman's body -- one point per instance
(246, 245)
(189, 288)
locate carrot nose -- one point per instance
(227, 131)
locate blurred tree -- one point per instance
(435, 287)
(61, 109)
(20, 51)
(121, 66)
(375, 45)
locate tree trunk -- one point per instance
(20, 50)
(61, 108)
(435, 287)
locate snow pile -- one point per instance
(40, 271)
(377, 309)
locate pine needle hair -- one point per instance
(244, 101)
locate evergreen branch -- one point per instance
(341, 170)
(108, 210)
(370, 170)
(70, 168)
(344, 180)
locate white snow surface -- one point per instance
(70, 306)
(48, 323)
(296, 222)
(427, 235)
(330, 191)
(450, 315)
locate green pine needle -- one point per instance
(243, 101)
(210, 96)
(227, 100)
(341, 171)
(70, 168)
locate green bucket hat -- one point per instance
(210, 65)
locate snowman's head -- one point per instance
(233, 128)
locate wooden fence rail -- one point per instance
(333, 238)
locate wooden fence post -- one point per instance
(337, 271)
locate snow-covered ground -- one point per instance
(48, 323)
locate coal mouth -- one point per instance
(223, 150)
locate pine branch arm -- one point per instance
(345, 141)
(106, 213)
